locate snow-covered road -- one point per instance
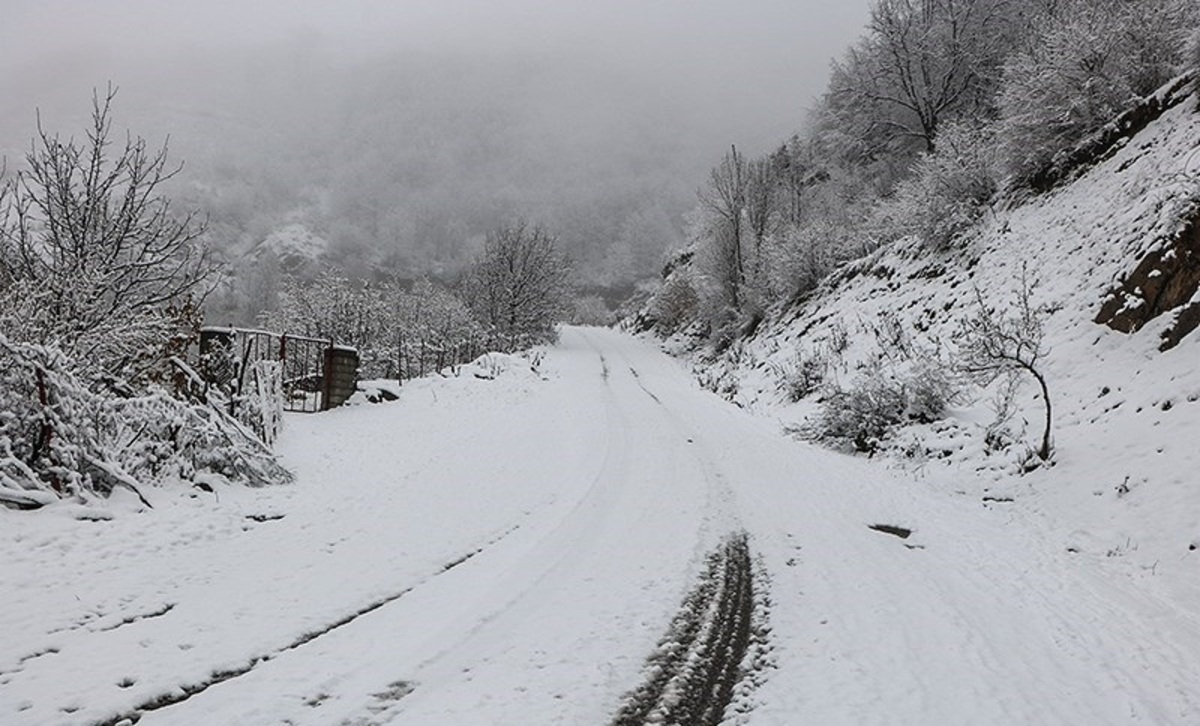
(510, 551)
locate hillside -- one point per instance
(1118, 244)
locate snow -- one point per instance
(508, 545)
(294, 243)
(509, 541)
(1122, 491)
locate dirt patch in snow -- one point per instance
(901, 532)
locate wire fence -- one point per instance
(417, 356)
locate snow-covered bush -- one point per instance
(863, 414)
(675, 305)
(880, 399)
(800, 256)
(800, 376)
(948, 190)
(58, 437)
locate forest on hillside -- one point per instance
(941, 110)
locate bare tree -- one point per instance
(87, 230)
(519, 284)
(724, 198)
(762, 207)
(993, 344)
(922, 62)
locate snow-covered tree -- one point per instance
(1088, 61)
(762, 220)
(519, 284)
(92, 255)
(922, 62)
(948, 190)
(723, 200)
(377, 319)
(98, 288)
(995, 342)
(1191, 58)
(345, 311)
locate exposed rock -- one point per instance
(1166, 279)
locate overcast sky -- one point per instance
(761, 60)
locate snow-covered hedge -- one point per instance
(59, 438)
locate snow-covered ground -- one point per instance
(1123, 488)
(509, 549)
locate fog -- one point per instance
(401, 131)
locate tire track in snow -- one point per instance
(647, 391)
(183, 692)
(724, 515)
(692, 676)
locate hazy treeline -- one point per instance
(939, 108)
(404, 162)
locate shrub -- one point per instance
(800, 376)
(799, 257)
(58, 438)
(863, 415)
(948, 191)
(675, 305)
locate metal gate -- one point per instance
(315, 372)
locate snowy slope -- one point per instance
(294, 245)
(1123, 492)
(509, 549)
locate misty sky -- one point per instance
(757, 63)
(402, 131)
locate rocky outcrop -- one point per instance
(1165, 280)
